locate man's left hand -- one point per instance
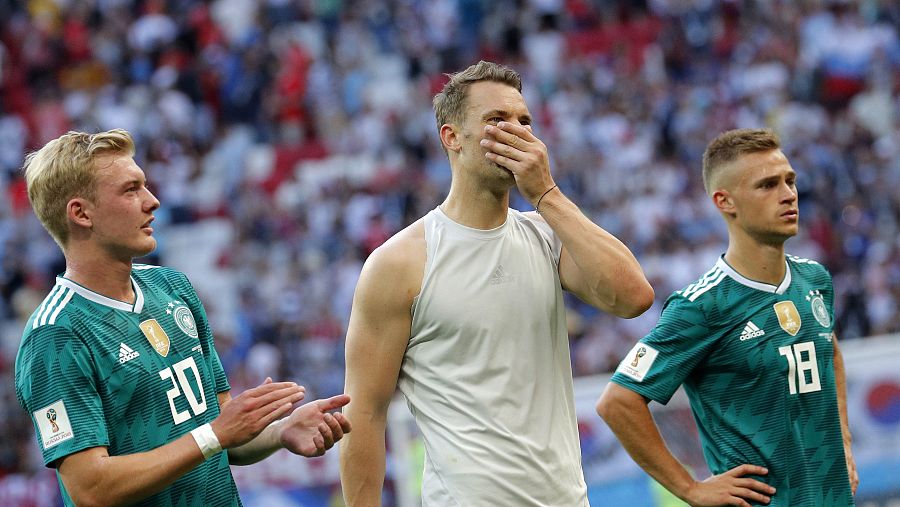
(312, 429)
(517, 149)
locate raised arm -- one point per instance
(93, 477)
(377, 336)
(840, 384)
(627, 415)
(594, 264)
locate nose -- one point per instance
(789, 193)
(151, 202)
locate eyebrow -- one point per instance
(504, 114)
(132, 181)
(776, 177)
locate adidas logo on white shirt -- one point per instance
(751, 331)
(126, 353)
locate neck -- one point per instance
(476, 206)
(100, 273)
(763, 262)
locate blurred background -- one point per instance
(287, 139)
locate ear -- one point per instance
(79, 211)
(450, 138)
(724, 201)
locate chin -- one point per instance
(146, 248)
(505, 174)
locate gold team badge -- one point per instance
(788, 317)
(156, 336)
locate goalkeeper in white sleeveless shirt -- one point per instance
(463, 312)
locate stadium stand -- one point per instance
(287, 139)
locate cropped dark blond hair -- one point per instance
(730, 145)
(63, 169)
(450, 103)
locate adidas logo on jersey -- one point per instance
(126, 353)
(500, 276)
(751, 331)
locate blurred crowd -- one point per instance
(287, 139)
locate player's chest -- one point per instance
(775, 332)
(164, 330)
(153, 360)
(141, 351)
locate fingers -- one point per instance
(333, 403)
(513, 130)
(268, 386)
(343, 421)
(503, 137)
(742, 470)
(325, 430)
(749, 494)
(753, 484)
(334, 426)
(276, 413)
(503, 150)
(291, 394)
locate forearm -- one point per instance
(609, 275)
(363, 463)
(633, 425)
(840, 383)
(122, 480)
(259, 448)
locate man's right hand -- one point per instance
(731, 488)
(245, 416)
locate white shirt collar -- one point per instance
(766, 287)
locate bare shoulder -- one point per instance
(399, 263)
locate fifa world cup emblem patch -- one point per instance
(819, 310)
(788, 317)
(156, 336)
(51, 416)
(184, 319)
(641, 352)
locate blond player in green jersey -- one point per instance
(118, 367)
(752, 342)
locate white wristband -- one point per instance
(207, 440)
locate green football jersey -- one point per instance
(756, 362)
(93, 371)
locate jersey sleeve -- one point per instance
(56, 383)
(206, 336)
(660, 362)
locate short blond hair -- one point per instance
(63, 169)
(450, 103)
(730, 145)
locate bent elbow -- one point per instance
(614, 403)
(640, 300)
(604, 406)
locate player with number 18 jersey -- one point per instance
(97, 372)
(756, 362)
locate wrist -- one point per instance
(277, 429)
(537, 205)
(206, 440)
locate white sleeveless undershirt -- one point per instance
(487, 373)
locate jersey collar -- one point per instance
(86, 293)
(753, 284)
